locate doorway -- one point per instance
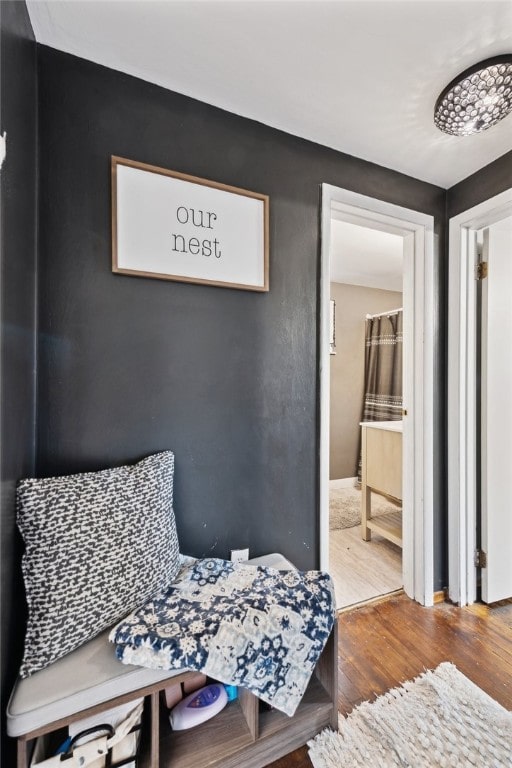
(366, 385)
(416, 231)
(472, 417)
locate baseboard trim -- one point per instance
(371, 601)
(439, 597)
(343, 482)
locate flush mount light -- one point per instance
(479, 97)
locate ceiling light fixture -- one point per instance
(479, 97)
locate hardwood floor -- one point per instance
(362, 570)
(382, 645)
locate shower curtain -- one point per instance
(382, 370)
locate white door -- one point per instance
(497, 412)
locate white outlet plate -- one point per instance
(237, 555)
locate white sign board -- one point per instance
(172, 226)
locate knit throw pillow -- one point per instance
(97, 546)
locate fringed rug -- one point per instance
(345, 507)
(439, 720)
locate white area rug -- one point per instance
(439, 720)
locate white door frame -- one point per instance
(462, 383)
(417, 229)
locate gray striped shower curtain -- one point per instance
(382, 370)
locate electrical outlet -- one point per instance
(237, 555)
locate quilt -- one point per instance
(243, 625)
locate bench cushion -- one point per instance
(88, 676)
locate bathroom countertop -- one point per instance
(391, 426)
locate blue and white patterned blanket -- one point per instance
(249, 626)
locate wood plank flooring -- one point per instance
(382, 645)
(362, 570)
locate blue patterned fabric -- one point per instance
(243, 625)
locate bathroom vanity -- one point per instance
(381, 473)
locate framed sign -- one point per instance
(172, 226)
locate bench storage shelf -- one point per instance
(239, 735)
(245, 733)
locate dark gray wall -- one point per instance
(485, 183)
(225, 378)
(18, 261)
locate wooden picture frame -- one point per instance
(173, 226)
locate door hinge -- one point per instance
(480, 558)
(482, 270)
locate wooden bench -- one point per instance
(91, 680)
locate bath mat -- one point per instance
(439, 720)
(345, 507)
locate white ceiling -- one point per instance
(361, 76)
(363, 256)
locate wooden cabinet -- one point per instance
(382, 473)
